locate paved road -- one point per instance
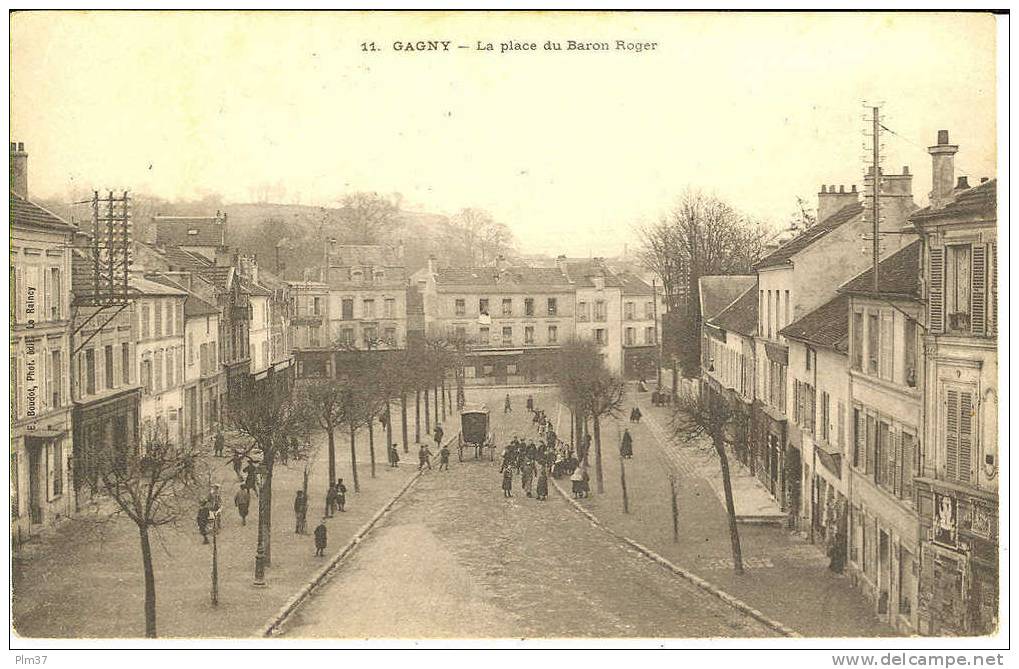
(456, 559)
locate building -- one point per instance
(203, 235)
(309, 327)
(203, 382)
(598, 305)
(160, 356)
(957, 490)
(367, 296)
(511, 318)
(40, 353)
(641, 326)
(795, 279)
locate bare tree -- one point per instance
(154, 486)
(710, 415)
(368, 217)
(805, 216)
(604, 399)
(269, 416)
(325, 401)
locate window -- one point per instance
(347, 309)
(884, 457)
(146, 375)
(461, 307)
(55, 377)
(145, 321)
(371, 335)
(529, 334)
(871, 443)
(553, 334)
(55, 293)
(171, 318)
(629, 311)
(649, 335)
(265, 354)
(90, 371)
(125, 362)
(369, 308)
(909, 353)
(390, 307)
(507, 335)
(390, 336)
(825, 431)
(57, 456)
(511, 370)
(582, 312)
(316, 306)
(806, 358)
(857, 340)
(788, 309)
(314, 332)
(649, 311)
(108, 366)
(760, 310)
(483, 306)
(630, 337)
(507, 307)
(528, 306)
(859, 438)
(191, 349)
(460, 332)
(553, 307)
(907, 465)
(599, 311)
(958, 434)
(158, 318)
(600, 336)
(771, 315)
(487, 370)
(347, 336)
(483, 336)
(873, 343)
(958, 273)
(887, 366)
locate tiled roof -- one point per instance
(980, 201)
(741, 315)
(898, 274)
(195, 306)
(718, 292)
(634, 285)
(827, 326)
(218, 275)
(151, 287)
(483, 276)
(189, 231)
(350, 255)
(784, 253)
(581, 273)
(24, 212)
(252, 288)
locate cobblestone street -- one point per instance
(456, 559)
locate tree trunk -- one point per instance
(331, 432)
(353, 458)
(730, 508)
(371, 444)
(150, 583)
(267, 494)
(417, 416)
(442, 389)
(435, 396)
(598, 476)
(622, 478)
(403, 419)
(428, 416)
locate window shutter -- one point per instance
(842, 427)
(896, 465)
(965, 437)
(978, 317)
(886, 347)
(871, 443)
(993, 260)
(908, 465)
(936, 291)
(951, 435)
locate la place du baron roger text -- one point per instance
(510, 46)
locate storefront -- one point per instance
(768, 437)
(958, 590)
(104, 428)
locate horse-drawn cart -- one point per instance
(475, 432)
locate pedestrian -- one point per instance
(321, 539)
(394, 455)
(636, 414)
(577, 482)
(444, 458)
(300, 512)
(527, 477)
(508, 407)
(424, 457)
(219, 443)
(626, 447)
(541, 492)
(330, 500)
(251, 477)
(203, 518)
(215, 504)
(530, 402)
(438, 434)
(242, 500)
(585, 481)
(341, 496)
(237, 460)
(507, 483)
(507, 457)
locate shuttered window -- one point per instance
(887, 367)
(842, 427)
(859, 442)
(871, 443)
(992, 326)
(908, 459)
(958, 435)
(936, 291)
(978, 306)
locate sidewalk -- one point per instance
(83, 581)
(786, 578)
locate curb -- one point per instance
(273, 625)
(707, 586)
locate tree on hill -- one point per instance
(367, 218)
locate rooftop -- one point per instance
(25, 212)
(980, 201)
(582, 272)
(543, 277)
(634, 285)
(783, 254)
(718, 292)
(741, 315)
(190, 230)
(826, 326)
(898, 275)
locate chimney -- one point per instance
(943, 173)
(19, 169)
(830, 201)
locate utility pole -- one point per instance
(658, 339)
(875, 188)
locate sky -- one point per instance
(570, 148)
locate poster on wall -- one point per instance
(945, 520)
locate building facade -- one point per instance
(367, 297)
(160, 356)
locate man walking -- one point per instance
(330, 500)
(394, 455)
(341, 496)
(444, 458)
(321, 539)
(237, 460)
(242, 500)
(424, 457)
(438, 435)
(219, 443)
(626, 448)
(300, 512)
(204, 516)
(508, 407)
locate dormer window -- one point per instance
(356, 275)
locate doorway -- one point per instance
(36, 476)
(884, 566)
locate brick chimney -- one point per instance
(830, 201)
(19, 169)
(943, 173)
